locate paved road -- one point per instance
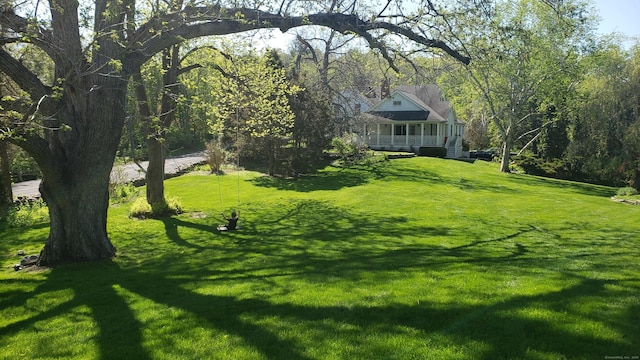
(121, 173)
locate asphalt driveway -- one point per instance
(122, 173)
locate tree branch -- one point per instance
(192, 22)
(22, 76)
(26, 32)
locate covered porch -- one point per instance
(396, 135)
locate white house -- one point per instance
(408, 118)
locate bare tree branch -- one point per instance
(22, 76)
(193, 22)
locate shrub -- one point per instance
(141, 209)
(533, 165)
(350, 149)
(215, 157)
(627, 191)
(432, 151)
(121, 193)
(120, 189)
(26, 213)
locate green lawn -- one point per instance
(419, 259)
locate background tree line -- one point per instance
(577, 120)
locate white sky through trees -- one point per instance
(619, 16)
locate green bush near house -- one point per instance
(439, 152)
(418, 258)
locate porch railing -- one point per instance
(401, 140)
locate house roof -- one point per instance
(426, 97)
(431, 95)
(403, 115)
(427, 101)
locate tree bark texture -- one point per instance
(155, 174)
(6, 193)
(506, 156)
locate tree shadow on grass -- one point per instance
(172, 224)
(355, 176)
(327, 180)
(118, 331)
(312, 241)
(505, 334)
(576, 187)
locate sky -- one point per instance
(621, 16)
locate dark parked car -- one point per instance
(487, 155)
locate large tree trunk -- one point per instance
(75, 182)
(78, 202)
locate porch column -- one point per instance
(406, 137)
(378, 134)
(393, 133)
(422, 134)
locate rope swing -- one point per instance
(232, 221)
(237, 165)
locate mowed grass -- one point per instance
(417, 259)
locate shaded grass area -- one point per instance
(418, 259)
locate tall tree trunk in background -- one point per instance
(156, 128)
(506, 155)
(6, 193)
(155, 175)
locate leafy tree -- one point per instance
(604, 133)
(313, 120)
(256, 105)
(71, 125)
(525, 60)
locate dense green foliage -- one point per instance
(350, 149)
(440, 152)
(422, 258)
(525, 60)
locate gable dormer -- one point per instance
(406, 107)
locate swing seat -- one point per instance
(224, 228)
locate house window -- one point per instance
(401, 130)
(412, 130)
(397, 102)
(433, 129)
